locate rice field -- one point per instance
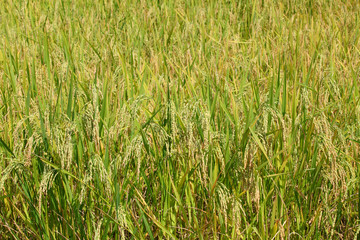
(188, 119)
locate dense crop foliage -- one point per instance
(179, 119)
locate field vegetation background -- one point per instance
(193, 119)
